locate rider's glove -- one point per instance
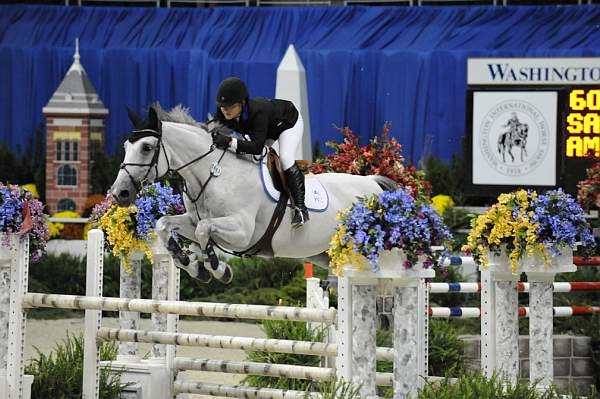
(221, 141)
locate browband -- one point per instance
(140, 134)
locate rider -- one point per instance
(263, 121)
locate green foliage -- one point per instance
(276, 329)
(25, 166)
(256, 280)
(59, 374)
(338, 390)
(458, 220)
(448, 179)
(476, 386)
(103, 170)
(445, 349)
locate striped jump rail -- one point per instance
(473, 288)
(583, 261)
(240, 391)
(470, 312)
(229, 342)
(468, 260)
(266, 369)
(208, 309)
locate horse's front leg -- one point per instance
(185, 226)
(236, 230)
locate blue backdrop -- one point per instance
(365, 65)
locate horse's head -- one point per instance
(141, 164)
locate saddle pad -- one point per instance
(316, 197)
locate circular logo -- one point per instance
(514, 137)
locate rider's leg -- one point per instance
(289, 141)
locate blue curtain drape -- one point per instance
(364, 65)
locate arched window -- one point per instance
(67, 176)
(66, 204)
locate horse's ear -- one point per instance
(136, 120)
(153, 119)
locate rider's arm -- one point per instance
(258, 134)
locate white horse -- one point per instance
(225, 201)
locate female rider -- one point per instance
(263, 121)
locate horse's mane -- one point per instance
(181, 114)
(178, 114)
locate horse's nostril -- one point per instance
(124, 194)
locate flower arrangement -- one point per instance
(385, 221)
(524, 222)
(21, 213)
(588, 194)
(381, 156)
(132, 229)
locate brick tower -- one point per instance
(75, 129)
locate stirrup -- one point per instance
(303, 218)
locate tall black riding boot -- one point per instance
(295, 181)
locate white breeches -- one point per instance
(288, 143)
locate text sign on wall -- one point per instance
(533, 71)
(514, 137)
(582, 123)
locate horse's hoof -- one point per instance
(219, 270)
(203, 275)
(183, 259)
(195, 271)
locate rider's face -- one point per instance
(233, 111)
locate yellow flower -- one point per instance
(117, 224)
(343, 255)
(500, 225)
(441, 203)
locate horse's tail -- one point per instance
(385, 183)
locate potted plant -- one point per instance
(22, 214)
(130, 231)
(375, 230)
(529, 232)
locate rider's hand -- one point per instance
(221, 141)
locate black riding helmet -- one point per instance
(231, 90)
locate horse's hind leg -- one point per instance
(185, 226)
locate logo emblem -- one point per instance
(514, 137)
(215, 169)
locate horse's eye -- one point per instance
(147, 148)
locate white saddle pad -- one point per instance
(316, 197)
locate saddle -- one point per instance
(276, 172)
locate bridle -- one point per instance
(141, 133)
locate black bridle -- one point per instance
(138, 134)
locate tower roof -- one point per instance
(75, 94)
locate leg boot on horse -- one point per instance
(183, 261)
(295, 181)
(220, 270)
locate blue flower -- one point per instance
(395, 220)
(154, 202)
